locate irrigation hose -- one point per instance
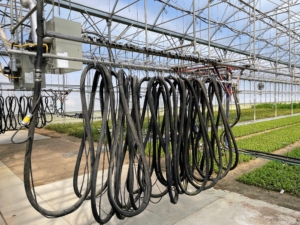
(2, 116)
(28, 178)
(11, 103)
(13, 112)
(169, 140)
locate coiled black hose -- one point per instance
(41, 118)
(104, 144)
(215, 89)
(173, 138)
(11, 104)
(24, 107)
(237, 106)
(2, 116)
(163, 139)
(46, 100)
(208, 117)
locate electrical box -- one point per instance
(26, 73)
(63, 47)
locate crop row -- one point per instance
(296, 105)
(270, 141)
(261, 113)
(253, 128)
(75, 129)
(276, 176)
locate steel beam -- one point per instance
(141, 67)
(118, 19)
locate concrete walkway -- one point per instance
(209, 207)
(20, 136)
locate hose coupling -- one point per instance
(38, 75)
(26, 120)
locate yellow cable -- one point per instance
(32, 45)
(26, 45)
(1, 71)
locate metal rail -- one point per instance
(142, 67)
(270, 156)
(132, 48)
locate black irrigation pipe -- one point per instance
(28, 178)
(172, 147)
(2, 116)
(44, 105)
(270, 156)
(11, 103)
(24, 107)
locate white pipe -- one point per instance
(13, 61)
(3, 38)
(194, 30)
(30, 4)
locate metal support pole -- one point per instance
(12, 19)
(228, 78)
(250, 91)
(275, 96)
(194, 25)
(244, 93)
(146, 27)
(63, 97)
(108, 23)
(13, 62)
(290, 55)
(146, 33)
(208, 28)
(254, 55)
(17, 18)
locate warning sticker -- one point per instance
(29, 77)
(61, 63)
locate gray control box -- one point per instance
(26, 73)
(64, 47)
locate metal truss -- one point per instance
(260, 35)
